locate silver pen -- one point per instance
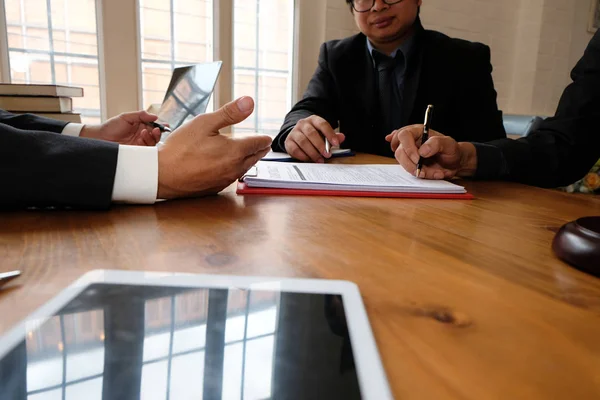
(7, 276)
(327, 146)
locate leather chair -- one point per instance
(520, 125)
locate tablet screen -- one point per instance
(189, 93)
(146, 342)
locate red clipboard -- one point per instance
(243, 189)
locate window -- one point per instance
(173, 33)
(65, 358)
(250, 332)
(179, 32)
(263, 43)
(176, 337)
(55, 42)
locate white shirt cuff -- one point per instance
(72, 129)
(136, 179)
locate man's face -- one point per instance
(386, 23)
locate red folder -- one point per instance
(242, 188)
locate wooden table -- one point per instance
(466, 298)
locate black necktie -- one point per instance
(390, 101)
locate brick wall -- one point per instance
(535, 43)
(340, 23)
(487, 21)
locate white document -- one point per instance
(368, 178)
(277, 156)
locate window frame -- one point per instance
(121, 82)
(5, 75)
(244, 340)
(65, 383)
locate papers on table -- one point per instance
(343, 177)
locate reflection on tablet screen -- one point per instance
(188, 93)
(131, 342)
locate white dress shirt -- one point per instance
(136, 178)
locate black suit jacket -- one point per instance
(565, 147)
(42, 168)
(452, 74)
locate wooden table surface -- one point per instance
(466, 298)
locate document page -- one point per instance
(277, 156)
(374, 177)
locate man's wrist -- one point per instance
(163, 190)
(88, 131)
(468, 160)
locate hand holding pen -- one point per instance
(133, 128)
(437, 156)
(163, 128)
(425, 136)
(311, 139)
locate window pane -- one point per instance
(261, 322)
(187, 377)
(244, 84)
(80, 72)
(29, 68)
(170, 37)
(191, 310)
(236, 315)
(155, 80)
(88, 390)
(56, 42)
(262, 314)
(45, 356)
(259, 368)
(232, 371)
(51, 395)
(263, 37)
(157, 330)
(154, 381)
(84, 337)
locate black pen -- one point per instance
(425, 137)
(161, 127)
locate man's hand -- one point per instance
(444, 157)
(197, 160)
(128, 128)
(306, 141)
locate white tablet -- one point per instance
(136, 335)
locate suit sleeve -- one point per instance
(31, 122)
(319, 99)
(482, 120)
(565, 147)
(43, 169)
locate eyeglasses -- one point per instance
(362, 6)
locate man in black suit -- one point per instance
(559, 152)
(42, 164)
(383, 78)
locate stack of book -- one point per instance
(51, 101)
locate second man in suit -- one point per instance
(382, 79)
